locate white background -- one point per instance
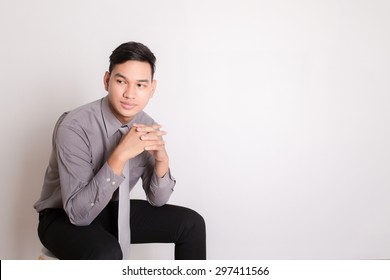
(277, 113)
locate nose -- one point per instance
(130, 92)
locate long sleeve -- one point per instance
(158, 190)
(78, 178)
(85, 191)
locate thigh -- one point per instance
(163, 224)
(68, 241)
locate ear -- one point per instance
(106, 80)
(154, 84)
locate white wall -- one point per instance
(277, 112)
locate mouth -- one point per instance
(127, 105)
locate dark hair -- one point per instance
(132, 51)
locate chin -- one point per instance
(130, 115)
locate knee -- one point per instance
(194, 222)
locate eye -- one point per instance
(120, 82)
(141, 85)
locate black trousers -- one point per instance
(149, 224)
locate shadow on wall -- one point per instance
(33, 159)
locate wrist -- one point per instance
(116, 163)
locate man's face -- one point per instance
(129, 87)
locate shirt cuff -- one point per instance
(108, 177)
(167, 181)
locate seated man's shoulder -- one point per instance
(82, 115)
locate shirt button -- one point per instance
(92, 204)
(113, 183)
(108, 179)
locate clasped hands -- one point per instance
(151, 140)
(141, 138)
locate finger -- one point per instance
(153, 135)
(154, 145)
(155, 148)
(156, 126)
(147, 128)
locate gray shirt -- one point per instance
(78, 178)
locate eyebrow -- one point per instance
(139, 81)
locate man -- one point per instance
(100, 150)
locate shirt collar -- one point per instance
(112, 124)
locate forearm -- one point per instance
(161, 168)
(159, 189)
(83, 201)
(117, 161)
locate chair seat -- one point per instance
(46, 255)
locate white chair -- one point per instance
(148, 251)
(152, 251)
(46, 255)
